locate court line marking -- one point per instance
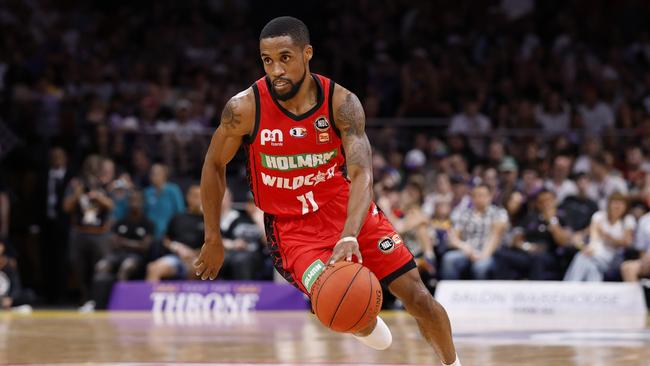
(179, 363)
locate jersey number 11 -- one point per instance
(309, 196)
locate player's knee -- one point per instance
(419, 302)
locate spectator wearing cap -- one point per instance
(476, 234)
(610, 231)
(559, 181)
(415, 160)
(508, 176)
(632, 270)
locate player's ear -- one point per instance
(308, 52)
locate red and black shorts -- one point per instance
(300, 246)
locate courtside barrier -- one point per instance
(551, 298)
(198, 296)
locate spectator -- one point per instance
(591, 148)
(241, 238)
(609, 232)
(460, 190)
(632, 270)
(473, 124)
(579, 208)
(184, 239)
(413, 225)
(531, 183)
(130, 242)
(597, 115)
(90, 208)
(182, 143)
(508, 177)
(11, 290)
(162, 200)
(545, 239)
(476, 234)
(141, 168)
(441, 225)
(554, 116)
(636, 167)
(4, 210)
(559, 182)
(442, 192)
(118, 189)
(54, 224)
(604, 182)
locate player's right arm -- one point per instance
(237, 120)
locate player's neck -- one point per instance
(305, 99)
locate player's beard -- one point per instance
(292, 92)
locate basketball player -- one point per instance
(309, 168)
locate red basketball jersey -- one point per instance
(295, 162)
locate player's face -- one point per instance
(285, 63)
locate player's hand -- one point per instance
(210, 260)
(345, 249)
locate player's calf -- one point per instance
(431, 317)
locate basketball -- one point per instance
(346, 297)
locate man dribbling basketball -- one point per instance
(309, 168)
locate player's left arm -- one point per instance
(350, 120)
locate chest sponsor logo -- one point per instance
(298, 132)
(273, 136)
(322, 124)
(291, 162)
(297, 182)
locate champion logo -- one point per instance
(298, 132)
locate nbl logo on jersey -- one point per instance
(272, 136)
(321, 124)
(387, 244)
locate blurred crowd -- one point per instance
(511, 138)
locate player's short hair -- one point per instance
(286, 26)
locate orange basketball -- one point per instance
(346, 297)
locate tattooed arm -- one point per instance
(350, 119)
(237, 120)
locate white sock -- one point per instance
(455, 363)
(380, 338)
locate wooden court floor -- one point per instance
(296, 338)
